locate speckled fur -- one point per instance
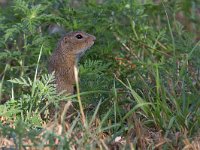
(66, 56)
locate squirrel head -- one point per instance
(76, 43)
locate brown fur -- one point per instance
(66, 56)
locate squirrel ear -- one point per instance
(65, 39)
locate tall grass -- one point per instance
(138, 86)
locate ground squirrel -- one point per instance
(68, 52)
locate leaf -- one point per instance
(22, 81)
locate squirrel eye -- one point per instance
(78, 36)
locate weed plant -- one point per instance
(139, 83)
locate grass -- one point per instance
(138, 85)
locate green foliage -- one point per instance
(141, 76)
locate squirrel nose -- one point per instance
(94, 38)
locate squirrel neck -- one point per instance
(66, 68)
(70, 57)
